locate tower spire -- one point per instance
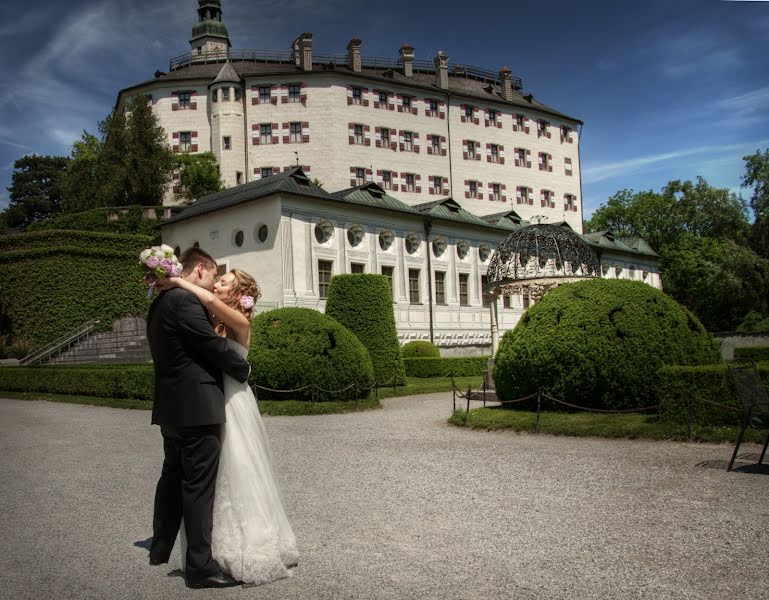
(209, 35)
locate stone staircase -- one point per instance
(126, 343)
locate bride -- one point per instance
(252, 539)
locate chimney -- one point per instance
(506, 83)
(407, 57)
(441, 62)
(305, 51)
(353, 55)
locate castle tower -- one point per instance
(209, 35)
(226, 97)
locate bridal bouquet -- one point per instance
(161, 262)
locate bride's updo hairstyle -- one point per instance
(244, 285)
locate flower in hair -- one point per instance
(247, 302)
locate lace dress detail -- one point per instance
(252, 539)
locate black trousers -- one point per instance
(186, 490)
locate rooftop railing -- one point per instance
(373, 62)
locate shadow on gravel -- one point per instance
(144, 544)
(740, 467)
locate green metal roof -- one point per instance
(371, 194)
(449, 209)
(510, 220)
(605, 240)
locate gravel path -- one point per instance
(392, 504)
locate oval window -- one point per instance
(239, 238)
(462, 249)
(484, 252)
(323, 231)
(439, 247)
(412, 243)
(386, 239)
(261, 233)
(355, 235)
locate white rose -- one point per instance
(167, 250)
(145, 254)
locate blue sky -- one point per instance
(667, 89)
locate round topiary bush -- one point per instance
(420, 349)
(363, 303)
(598, 344)
(295, 347)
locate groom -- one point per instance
(189, 360)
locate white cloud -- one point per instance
(655, 162)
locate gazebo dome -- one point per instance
(539, 257)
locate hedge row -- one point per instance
(420, 349)
(700, 394)
(61, 279)
(757, 354)
(363, 304)
(130, 221)
(115, 381)
(463, 366)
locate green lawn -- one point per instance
(599, 425)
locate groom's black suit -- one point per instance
(189, 360)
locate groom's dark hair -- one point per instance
(192, 257)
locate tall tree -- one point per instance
(757, 176)
(36, 189)
(198, 174)
(149, 161)
(85, 181)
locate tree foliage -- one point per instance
(757, 176)
(36, 191)
(199, 175)
(702, 234)
(599, 344)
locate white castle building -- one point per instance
(435, 163)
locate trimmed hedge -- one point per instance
(363, 304)
(599, 343)
(691, 393)
(61, 279)
(462, 366)
(295, 347)
(756, 354)
(420, 349)
(113, 381)
(130, 221)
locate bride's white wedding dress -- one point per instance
(252, 539)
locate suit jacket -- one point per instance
(189, 361)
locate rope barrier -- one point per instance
(601, 410)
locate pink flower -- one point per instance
(177, 270)
(167, 265)
(247, 302)
(152, 262)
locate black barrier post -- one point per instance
(453, 395)
(376, 390)
(467, 410)
(539, 405)
(484, 392)
(312, 395)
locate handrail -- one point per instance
(375, 62)
(68, 338)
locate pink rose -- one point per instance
(152, 262)
(247, 302)
(167, 265)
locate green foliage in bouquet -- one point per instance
(363, 304)
(296, 347)
(54, 281)
(599, 344)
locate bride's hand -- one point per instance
(166, 283)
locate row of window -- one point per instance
(325, 272)
(437, 108)
(294, 132)
(412, 242)
(296, 93)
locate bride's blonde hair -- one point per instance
(244, 285)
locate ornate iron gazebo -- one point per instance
(533, 260)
